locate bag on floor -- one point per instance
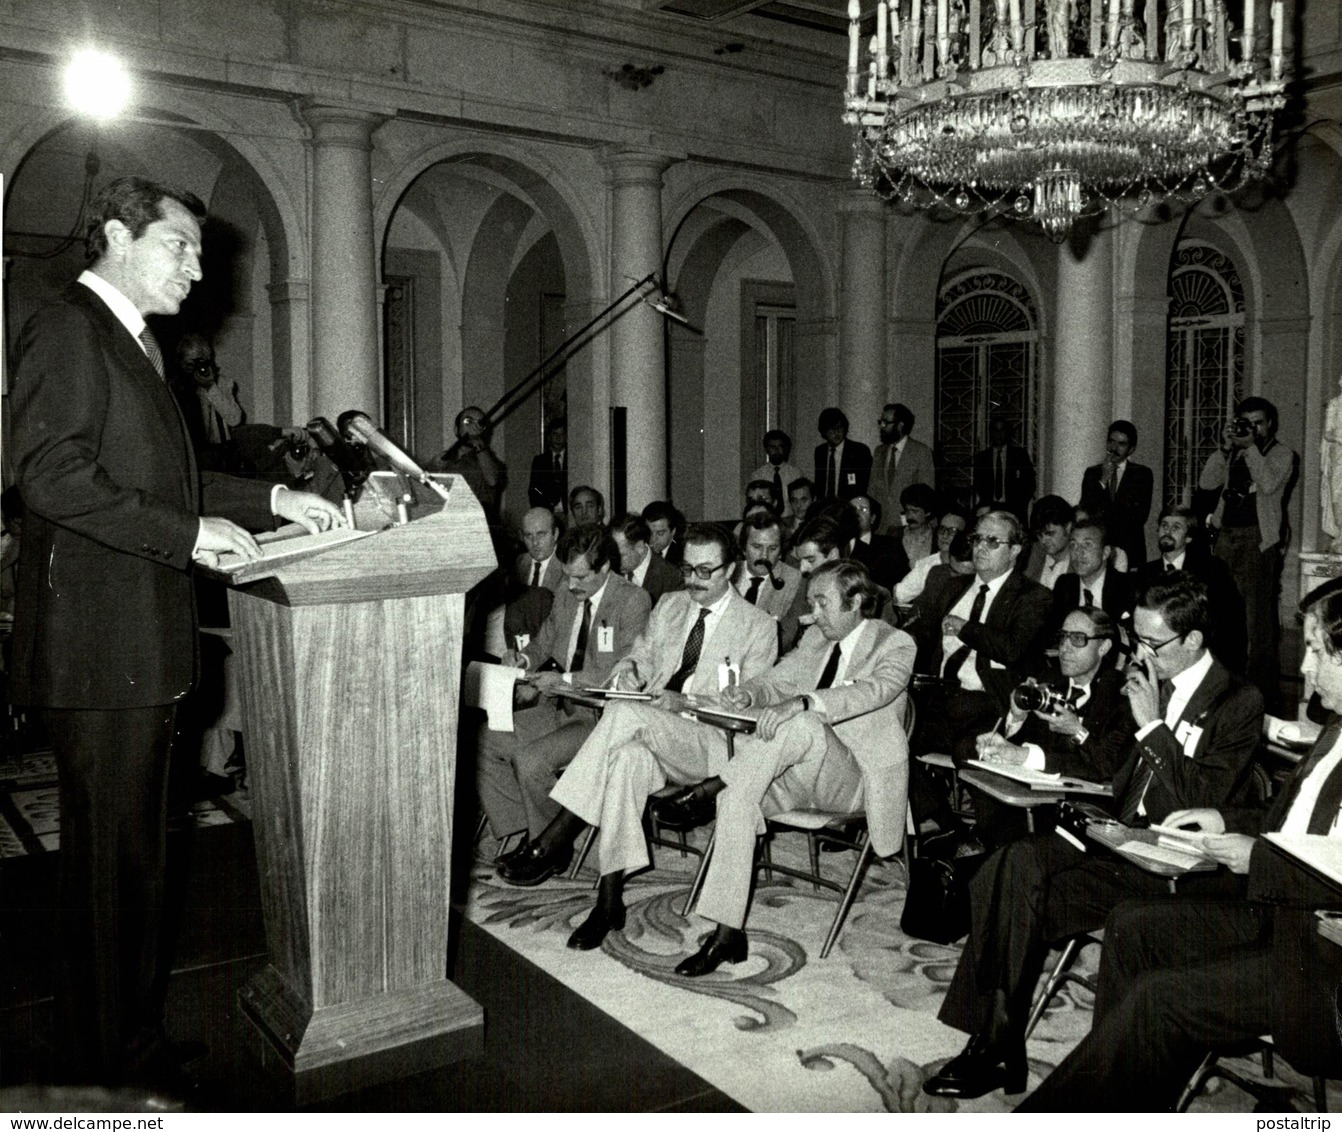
(937, 905)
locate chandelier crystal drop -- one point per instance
(1050, 110)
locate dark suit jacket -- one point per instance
(884, 559)
(1116, 600)
(1127, 512)
(548, 486)
(105, 615)
(1226, 638)
(854, 469)
(1005, 643)
(1020, 479)
(1229, 712)
(661, 577)
(1105, 717)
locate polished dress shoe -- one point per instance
(588, 935)
(717, 949)
(688, 808)
(980, 1069)
(532, 864)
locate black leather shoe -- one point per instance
(532, 865)
(716, 950)
(588, 935)
(979, 1069)
(688, 808)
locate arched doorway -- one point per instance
(987, 340)
(1204, 373)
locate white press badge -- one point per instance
(523, 639)
(1189, 737)
(852, 477)
(605, 638)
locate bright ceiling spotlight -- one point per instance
(97, 84)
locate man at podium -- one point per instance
(105, 625)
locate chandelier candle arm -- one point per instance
(1278, 26)
(854, 44)
(944, 31)
(882, 39)
(1246, 36)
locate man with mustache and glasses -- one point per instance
(768, 583)
(637, 748)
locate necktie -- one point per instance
(1141, 777)
(831, 669)
(536, 574)
(1330, 799)
(1074, 696)
(1087, 598)
(1169, 566)
(628, 575)
(1113, 482)
(999, 479)
(150, 344)
(777, 491)
(832, 476)
(753, 590)
(689, 659)
(960, 655)
(580, 649)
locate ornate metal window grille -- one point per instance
(1205, 361)
(987, 335)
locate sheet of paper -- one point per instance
(490, 686)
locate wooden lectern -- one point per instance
(351, 671)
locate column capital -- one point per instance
(341, 124)
(629, 166)
(862, 202)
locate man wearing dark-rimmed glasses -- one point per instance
(1196, 729)
(691, 639)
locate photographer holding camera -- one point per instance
(1253, 472)
(1076, 723)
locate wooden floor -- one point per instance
(546, 1049)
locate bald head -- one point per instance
(540, 531)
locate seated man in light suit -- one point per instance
(830, 735)
(767, 582)
(596, 617)
(638, 748)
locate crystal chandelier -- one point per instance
(1056, 109)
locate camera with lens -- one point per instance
(300, 446)
(1034, 696)
(1241, 427)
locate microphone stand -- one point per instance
(561, 353)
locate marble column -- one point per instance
(638, 337)
(862, 376)
(345, 276)
(1083, 366)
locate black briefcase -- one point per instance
(937, 905)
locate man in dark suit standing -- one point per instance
(638, 563)
(548, 486)
(1181, 550)
(1179, 977)
(842, 466)
(1004, 472)
(1197, 730)
(1120, 489)
(105, 630)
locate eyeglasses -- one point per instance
(703, 573)
(992, 542)
(1076, 638)
(1156, 646)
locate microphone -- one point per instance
(665, 303)
(358, 428)
(334, 448)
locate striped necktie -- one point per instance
(151, 349)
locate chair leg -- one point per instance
(1196, 1082)
(1320, 1095)
(846, 901)
(813, 847)
(480, 829)
(1267, 1063)
(1051, 987)
(581, 855)
(692, 898)
(768, 858)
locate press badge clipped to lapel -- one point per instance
(605, 638)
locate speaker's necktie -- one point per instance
(831, 669)
(580, 649)
(1141, 777)
(753, 590)
(960, 655)
(151, 349)
(689, 659)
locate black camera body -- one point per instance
(1034, 696)
(1241, 427)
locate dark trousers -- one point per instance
(113, 776)
(1255, 573)
(1026, 897)
(947, 723)
(1176, 978)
